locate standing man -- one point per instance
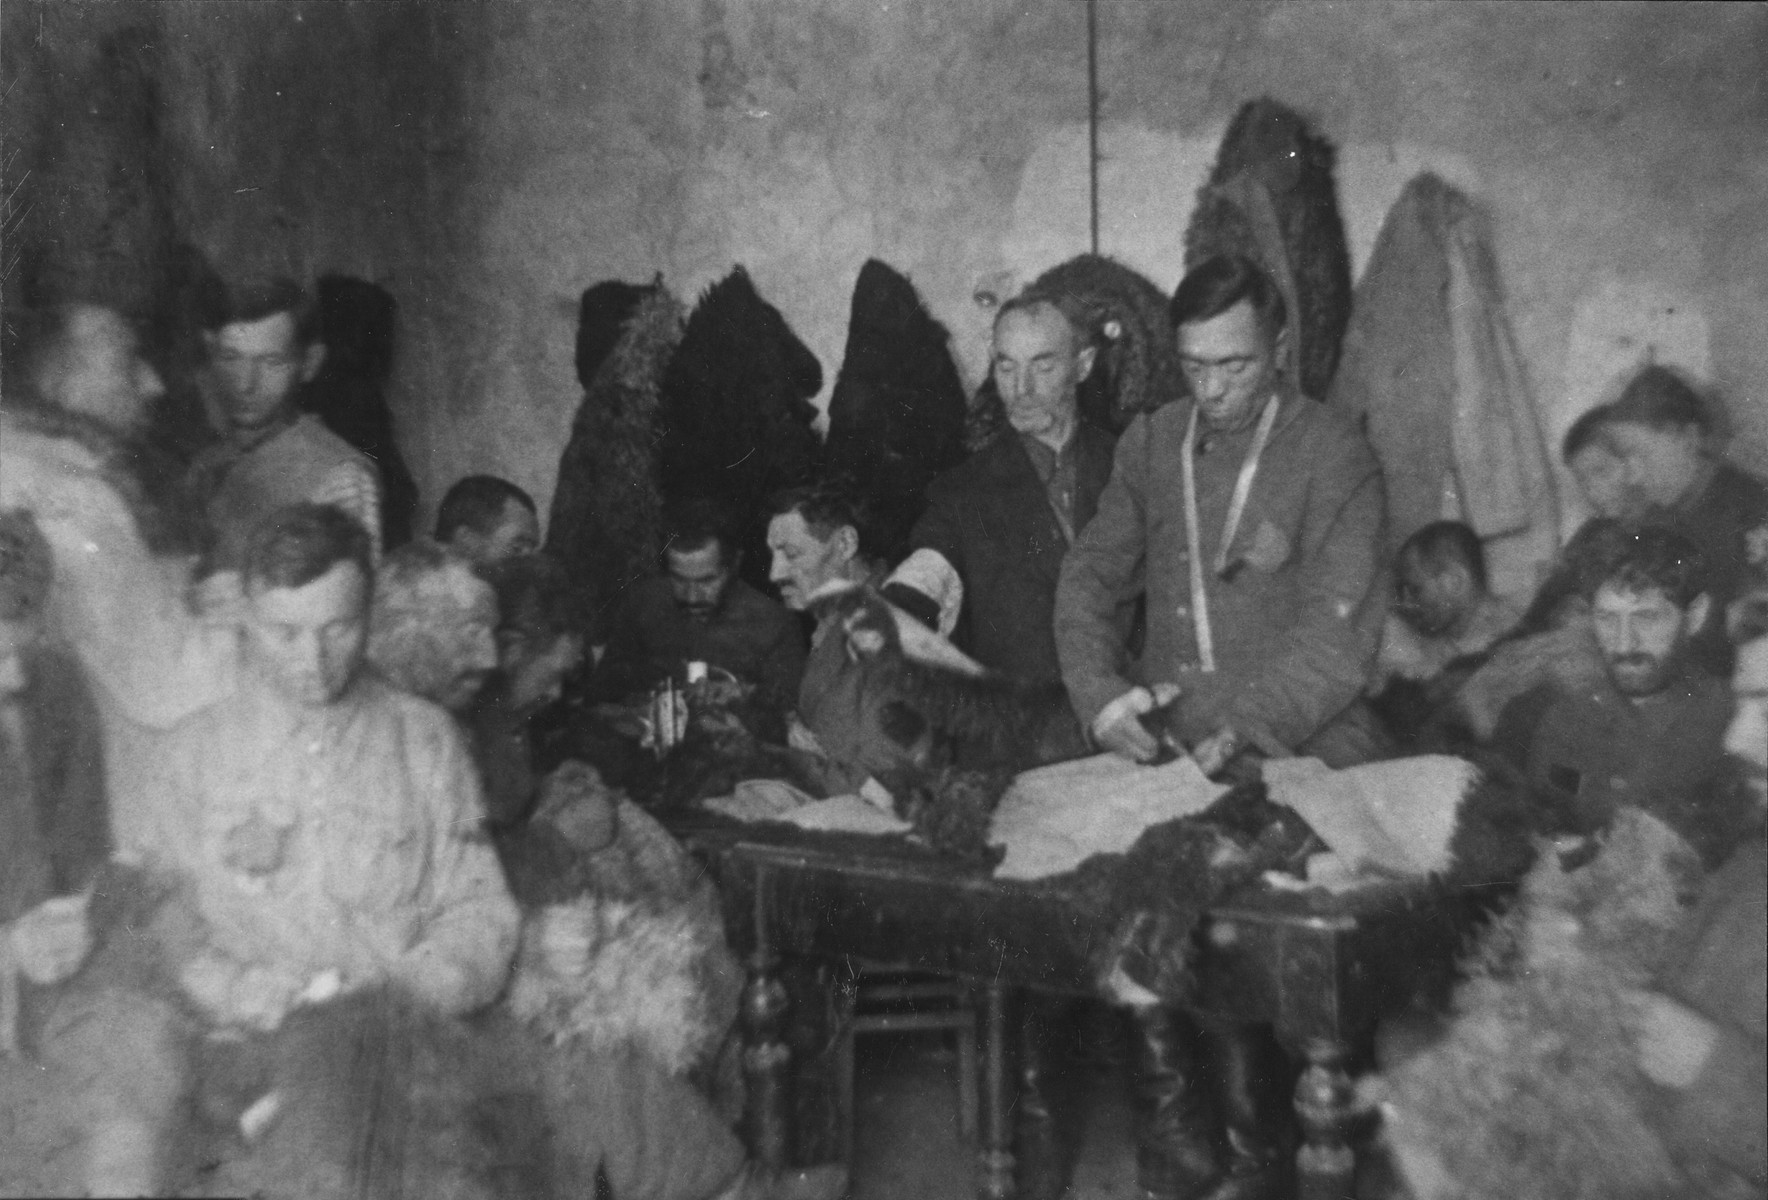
(989, 548)
(263, 347)
(1250, 518)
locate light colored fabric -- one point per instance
(1054, 818)
(846, 814)
(928, 572)
(302, 462)
(758, 800)
(1393, 818)
(342, 841)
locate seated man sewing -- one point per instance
(329, 832)
(488, 520)
(1651, 732)
(699, 611)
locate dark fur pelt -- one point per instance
(602, 313)
(605, 525)
(734, 419)
(896, 416)
(1270, 146)
(1137, 369)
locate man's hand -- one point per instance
(1215, 751)
(52, 940)
(1672, 1042)
(1118, 727)
(256, 996)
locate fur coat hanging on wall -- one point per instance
(896, 417)
(1137, 368)
(1431, 363)
(1271, 196)
(605, 524)
(734, 414)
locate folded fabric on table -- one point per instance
(775, 800)
(1394, 818)
(1054, 818)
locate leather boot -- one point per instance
(1253, 1079)
(1174, 1157)
(1043, 1160)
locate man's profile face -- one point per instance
(1642, 635)
(307, 641)
(1230, 364)
(455, 642)
(1038, 365)
(1747, 738)
(535, 675)
(1661, 464)
(699, 577)
(517, 533)
(260, 364)
(1431, 600)
(803, 563)
(1602, 477)
(102, 374)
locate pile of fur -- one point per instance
(1271, 197)
(1533, 1090)
(636, 957)
(896, 416)
(606, 520)
(734, 414)
(1137, 368)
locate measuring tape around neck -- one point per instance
(1236, 510)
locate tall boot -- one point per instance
(1040, 1147)
(1253, 1079)
(1174, 1158)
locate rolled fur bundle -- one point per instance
(605, 525)
(896, 417)
(1271, 196)
(1137, 369)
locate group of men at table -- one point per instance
(1215, 576)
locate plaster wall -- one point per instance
(487, 159)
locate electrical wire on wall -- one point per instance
(1093, 121)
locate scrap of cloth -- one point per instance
(777, 800)
(1393, 818)
(1054, 818)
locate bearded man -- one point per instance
(433, 628)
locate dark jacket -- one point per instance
(991, 519)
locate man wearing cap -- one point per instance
(1250, 520)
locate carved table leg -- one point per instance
(1325, 1104)
(998, 1088)
(767, 1059)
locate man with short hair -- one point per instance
(698, 610)
(990, 546)
(488, 520)
(1443, 609)
(1651, 734)
(1250, 519)
(433, 624)
(264, 344)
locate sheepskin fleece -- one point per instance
(1532, 1091)
(605, 524)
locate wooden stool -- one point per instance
(899, 1002)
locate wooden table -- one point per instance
(1319, 968)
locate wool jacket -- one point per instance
(301, 462)
(346, 838)
(1295, 623)
(990, 518)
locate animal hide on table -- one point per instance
(734, 414)
(1137, 368)
(1271, 196)
(1532, 1092)
(606, 519)
(896, 416)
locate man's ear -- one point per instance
(847, 537)
(1280, 352)
(1694, 618)
(311, 361)
(1083, 361)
